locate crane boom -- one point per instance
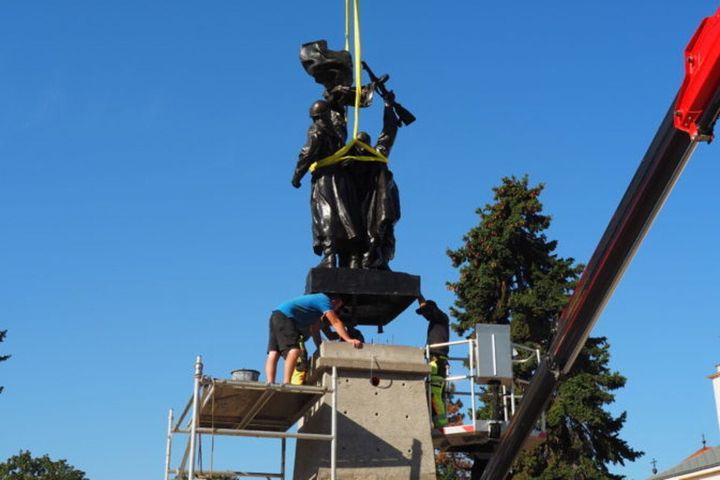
(689, 120)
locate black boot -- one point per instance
(385, 257)
(343, 260)
(355, 260)
(372, 259)
(329, 259)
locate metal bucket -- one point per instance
(245, 375)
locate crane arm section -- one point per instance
(689, 120)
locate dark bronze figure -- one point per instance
(329, 68)
(403, 114)
(378, 195)
(336, 224)
(333, 70)
(354, 204)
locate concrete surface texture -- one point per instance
(383, 426)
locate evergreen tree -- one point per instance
(24, 466)
(509, 274)
(3, 357)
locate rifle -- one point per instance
(406, 118)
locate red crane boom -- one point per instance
(689, 120)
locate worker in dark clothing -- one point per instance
(438, 332)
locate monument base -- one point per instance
(383, 419)
(375, 297)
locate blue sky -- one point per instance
(146, 212)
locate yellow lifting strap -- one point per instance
(347, 25)
(342, 154)
(358, 55)
(357, 66)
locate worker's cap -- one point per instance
(425, 306)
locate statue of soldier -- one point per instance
(336, 224)
(336, 212)
(378, 195)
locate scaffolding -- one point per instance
(237, 408)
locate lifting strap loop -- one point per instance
(342, 154)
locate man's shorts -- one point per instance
(284, 334)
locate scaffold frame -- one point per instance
(255, 420)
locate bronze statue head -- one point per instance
(364, 137)
(319, 109)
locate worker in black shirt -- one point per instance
(438, 332)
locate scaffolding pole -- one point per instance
(168, 448)
(195, 416)
(283, 449)
(333, 427)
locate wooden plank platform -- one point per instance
(232, 404)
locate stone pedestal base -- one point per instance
(374, 297)
(383, 426)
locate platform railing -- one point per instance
(510, 398)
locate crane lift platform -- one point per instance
(487, 357)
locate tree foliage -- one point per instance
(3, 333)
(509, 273)
(453, 466)
(24, 466)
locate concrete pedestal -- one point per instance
(383, 427)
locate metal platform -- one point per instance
(231, 404)
(222, 407)
(474, 436)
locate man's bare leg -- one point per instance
(290, 361)
(271, 365)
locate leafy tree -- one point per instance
(510, 274)
(3, 333)
(453, 466)
(24, 467)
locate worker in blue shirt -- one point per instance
(301, 314)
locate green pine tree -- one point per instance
(510, 274)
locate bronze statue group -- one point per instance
(354, 200)
(354, 204)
